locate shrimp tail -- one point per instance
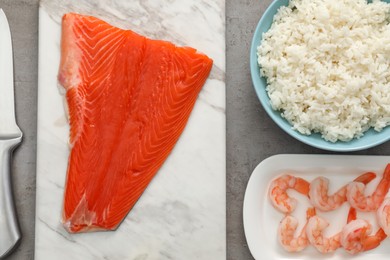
(381, 234)
(386, 174)
(371, 242)
(366, 177)
(310, 212)
(351, 214)
(302, 186)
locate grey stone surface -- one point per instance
(251, 134)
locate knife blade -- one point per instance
(10, 138)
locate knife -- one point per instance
(10, 138)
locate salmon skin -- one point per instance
(129, 99)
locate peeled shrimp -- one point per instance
(320, 199)
(383, 216)
(355, 236)
(314, 232)
(278, 192)
(357, 199)
(287, 230)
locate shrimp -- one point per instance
(320, 199)
(278, 192)
(286, 232)
(383, 216)
(357, 199)
(314, 232)
(355, 236)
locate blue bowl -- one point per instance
(370, 138)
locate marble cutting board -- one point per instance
(181, 215)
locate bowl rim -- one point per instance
(319, 142)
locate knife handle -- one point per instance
(9, 227)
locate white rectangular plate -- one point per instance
(261, 219)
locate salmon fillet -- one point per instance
(129, 99)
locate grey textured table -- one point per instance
(251, 134)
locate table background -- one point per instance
(251, 134)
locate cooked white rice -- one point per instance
(327, 65)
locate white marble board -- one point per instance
(181, 215)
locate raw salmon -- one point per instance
(129, 99)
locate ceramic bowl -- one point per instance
(370, 138)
